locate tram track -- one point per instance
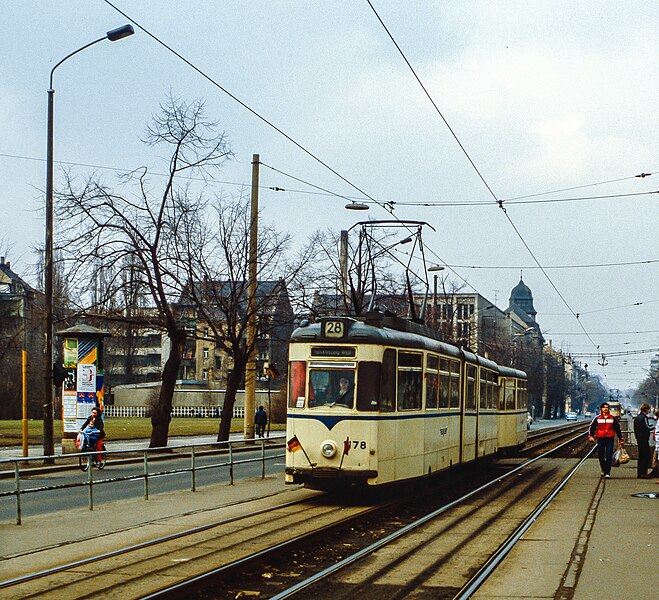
(443, 553)
(172, 566)
(138, 570)
(459, 527)
(541, 440)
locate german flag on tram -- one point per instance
(294, 444)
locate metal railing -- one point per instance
(113, 410)
(147, 456)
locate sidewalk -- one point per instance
(595, 540)
(34, 450)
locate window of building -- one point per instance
(205, 352)
(204, 374)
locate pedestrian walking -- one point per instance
(260, 420)
(605, 428)
(654, 452)
(642, 431)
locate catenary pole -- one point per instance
(250, 371)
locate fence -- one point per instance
(191, 452)
(177, 411)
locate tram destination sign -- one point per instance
(333, 351)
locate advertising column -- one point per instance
(83, 387)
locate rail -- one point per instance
(146, 456)
(369, 550)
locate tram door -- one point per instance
(469, 433)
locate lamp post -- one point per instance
(48, 416)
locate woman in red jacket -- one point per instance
(605, 427)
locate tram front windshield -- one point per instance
(330, 387)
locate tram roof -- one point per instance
(393, 332)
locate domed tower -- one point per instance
(522, 298)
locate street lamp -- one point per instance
(48, 416)
(356, 206)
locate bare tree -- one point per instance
(142, 225)
(217, 287)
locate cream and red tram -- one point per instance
(379, 401)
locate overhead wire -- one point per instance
(579, 187)
(241, 103)
(389, 204)
(589, 266)
(256, 114)
(480, 175)
(385, 206)
(545, 201)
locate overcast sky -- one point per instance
(543, 96)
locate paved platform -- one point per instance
(596, 540)
(12, 452)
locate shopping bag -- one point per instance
(80, 441)
(616, 459)
(624, 456)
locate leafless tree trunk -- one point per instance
(217, 286)
(142, 226)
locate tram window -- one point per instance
(455, 384)
(409, 390)
(483, 391)
(444, 387)
(497, 398)
(329, 387)
(490, 391)
(368, 385)
(470, 400)
(521, 394)
(410, 359)
(388, 381)
(510, 395)
(432, 381)
(432, 390)
(298, 375)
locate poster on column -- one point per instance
(86, 378)
(70, 352)
(69, 410)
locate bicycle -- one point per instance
(98, 460)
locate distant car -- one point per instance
(529, 420)
(571, 416)
(588, 414)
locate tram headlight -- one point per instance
(328, 449)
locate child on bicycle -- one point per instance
(92, 428)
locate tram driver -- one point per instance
(345, 392)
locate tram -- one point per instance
(377, 400)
